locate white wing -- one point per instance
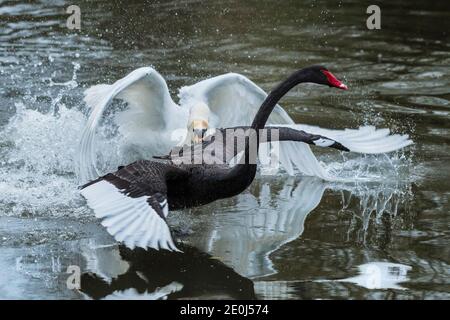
(150, 108)
(366, 139)
(137, 222)
(234, 100)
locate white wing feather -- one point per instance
(150, 108)
(366, 139)
(129, 220)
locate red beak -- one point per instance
(333, 81)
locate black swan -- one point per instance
(152, 123)
(134, 201)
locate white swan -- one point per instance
(227, 100)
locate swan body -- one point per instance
(152, 119)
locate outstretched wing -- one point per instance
(132, 204)
(366, 139)
(148, 100)
(234, 100)
(221, 146)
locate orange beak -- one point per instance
(199, 128)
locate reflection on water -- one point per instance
(246, 238)
(274, 214)
(380, 275)
(293, 237)
(232, 246)
(268, 218)
(160, 275)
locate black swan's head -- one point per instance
(321, 75)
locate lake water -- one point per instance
(285, 237)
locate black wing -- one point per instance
(217, 148)
(132, 203)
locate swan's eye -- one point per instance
(333, 81)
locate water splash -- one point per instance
(372, 168)
(368, 203)
(38, 148)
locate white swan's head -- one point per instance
(198, 122)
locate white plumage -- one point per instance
(366, 139)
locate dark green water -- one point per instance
(286, 237)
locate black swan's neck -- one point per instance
(242, 175)
(275, 95)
